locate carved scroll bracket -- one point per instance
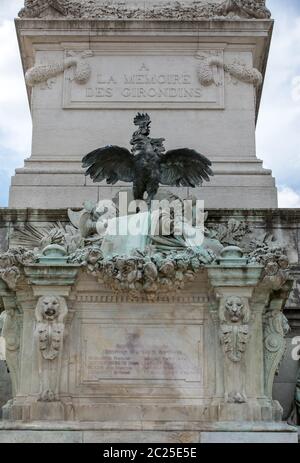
(275, 329)
(10, 329)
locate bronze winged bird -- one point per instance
(148, 165)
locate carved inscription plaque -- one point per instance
(135, 352)
(154, 81)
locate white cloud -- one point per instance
(15, 120)
(278, 134)
(10, 8)
(14, 112)
(288, 198)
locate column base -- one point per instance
(132, 432)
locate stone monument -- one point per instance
(196, 67)
(164, 340)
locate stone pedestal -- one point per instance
(198, 72)
(180, 345)
(183, 366)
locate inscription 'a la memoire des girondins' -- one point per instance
(173, 83)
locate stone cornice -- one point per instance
(288, 217)
(179, 10)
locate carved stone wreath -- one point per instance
(209, 61)
(10, 263)
(142, 272)
(149, 271)
(95, 9)
(40, 73)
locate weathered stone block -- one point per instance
(249, 438)
(5, 385)
(40, 437)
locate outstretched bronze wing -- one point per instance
(184, 167)
(111, 163)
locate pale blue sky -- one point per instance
(278, 129)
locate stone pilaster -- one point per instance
(46, 314)
(238, 326)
